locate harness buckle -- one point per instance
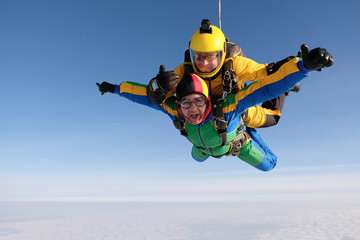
(220, 124)
(237, 144)
(227, 82)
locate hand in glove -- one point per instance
(165, 81)
(105, 87)
(316, 58)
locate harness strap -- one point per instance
(219, 119)
(228, 75)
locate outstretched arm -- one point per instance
(136, 92)
(287, 75)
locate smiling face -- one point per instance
(193, 107)
(206, 63)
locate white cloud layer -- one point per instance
(262, 220)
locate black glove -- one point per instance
(316, 58)
(106, 87)
(165, 81)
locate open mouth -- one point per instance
(194, 116)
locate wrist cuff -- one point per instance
(117, 89)
(302, 68)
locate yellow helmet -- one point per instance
(208, 40)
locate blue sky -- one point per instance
(60, 139)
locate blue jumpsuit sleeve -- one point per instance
(269, 87)
(136, 92)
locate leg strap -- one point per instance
(237, 143)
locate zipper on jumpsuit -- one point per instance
(199, 132)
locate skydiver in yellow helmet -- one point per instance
(207, 50)
(211, 57)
